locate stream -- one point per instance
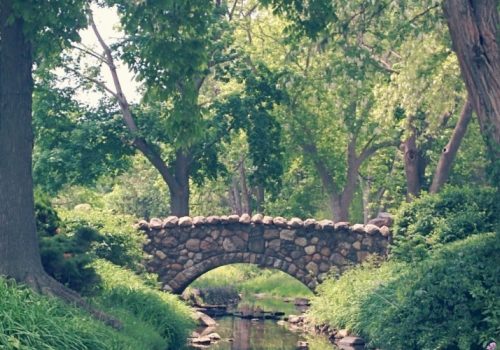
(245, 334)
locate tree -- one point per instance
(26, 31)
(474, 29)
(173, 49)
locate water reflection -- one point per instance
(242, 334)
(252, 335)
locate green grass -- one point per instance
(252, 279)
(451, 300)
(151, 320)
(168, 319)
(30, 321)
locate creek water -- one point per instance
(245, 334)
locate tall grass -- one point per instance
(30, 321)
(124, 293)
(152, 320)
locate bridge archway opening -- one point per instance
(191, 274)
(252, 279)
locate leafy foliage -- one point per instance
(51, 25)
(114, 238)
(68, 246)
(433, 220)
(74, 144)
(47, 219)
(250, 110)
(448, 301)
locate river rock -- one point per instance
(351, 342)
(295, 223)
(280, 221)
(267, 220)
(214, 336)
(309, 223)
(342, 333)
(302, 345)
(201, 341)
(213, 219)
(207, 331)
(199, 220)
(287, 235)
(371, 229)
(358, 228)
(295, 319)
(204, 320)
(232, 219)
(310, 249)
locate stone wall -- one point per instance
(182, 249)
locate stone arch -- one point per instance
(183, 279)
(182, 249)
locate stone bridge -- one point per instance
(182, 249)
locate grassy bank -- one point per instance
(151, 319)
(449, 301)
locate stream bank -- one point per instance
(257, 322)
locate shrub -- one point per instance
(116, 239)
(64, 256)
(436, 219)
(47, 220)
(68, 246)
(451, 300)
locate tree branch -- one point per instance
(140, 143)
(93, 80)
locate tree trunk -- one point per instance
(260, 198)
(19, 255)
(365, 185)
(445, 163)
(235, 197)
(474, 29)
(19, 252)
(179, 191)
(245, 196)
(412, 165)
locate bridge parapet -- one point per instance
(185, 248)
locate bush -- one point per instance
(116, 239)
(436, 219)
(47, 220)
(68, 246)
(64, 256)
(67, 259)
(451, 300)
